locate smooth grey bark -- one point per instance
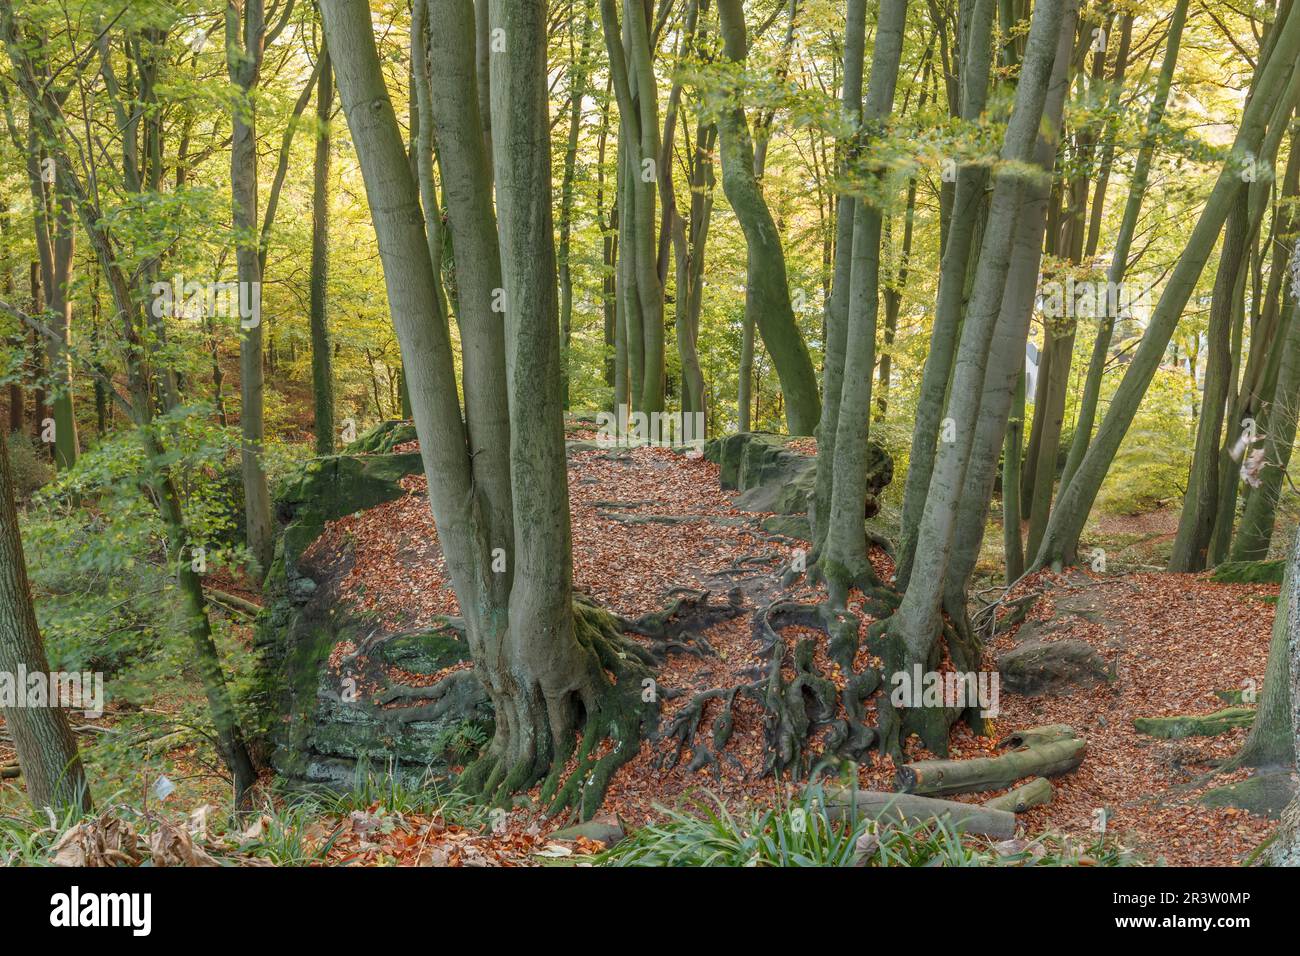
(1211, 488)
(916, 622)
(631, 59)
(689, 233)
(1243, 384)
(547, 685)
(322, 370)
(1270, 742)
(968, 198)
(1196, 519)
(844, 560)
(836, 312)
(1004, 380)
(47, 750)
(1013, 549)
(1277, 423)
(481, 297)
(578, 72)
(1061, 538)
(1286, 847)
(245, 35)
(629, 298)
(424, 159)
(767, 288)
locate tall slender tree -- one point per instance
(47, 749)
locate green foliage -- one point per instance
(1151, 466)
(798, 834)
(462, 742)
(30, 466)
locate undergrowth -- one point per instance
(804, 833)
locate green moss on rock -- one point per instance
(1249, 572)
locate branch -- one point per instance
(42, 329)
(282, 166)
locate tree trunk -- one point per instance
(912, 630)
(631, 59)
(47, 750)
(58, 353)
(244, 37)
(1277, 423)
(844, 561)
(767, 290)
(322, 368)
(1013, 549)
(578, 70)
(1196, 522)
(546, 668)
(1087, 414)
(837, 305)
(1286, 644)
(968, 197)
(1061, 539)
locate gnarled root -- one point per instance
(795, 708)
(573, 742)
(679, 627)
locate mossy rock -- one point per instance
(327, 728)
(774, 478)
(791, 526)
(1036, 668)
(326, 489)
(424, 652)
(1249, 572)
(322, 734)
(382, 438)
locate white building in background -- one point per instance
(1032, 357)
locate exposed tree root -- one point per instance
(679, 627)
(589, 734)
(795, 707)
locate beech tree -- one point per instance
(767, 288)
(553, 668)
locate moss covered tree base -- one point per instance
(574, 743)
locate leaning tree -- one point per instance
(1060, 538)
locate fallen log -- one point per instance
(232, 602)
(1037, 736)
(1205, 725)
(908, 809)
(9, 771)
(943, 777)
(1035, 793)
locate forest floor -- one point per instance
(650, 520)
